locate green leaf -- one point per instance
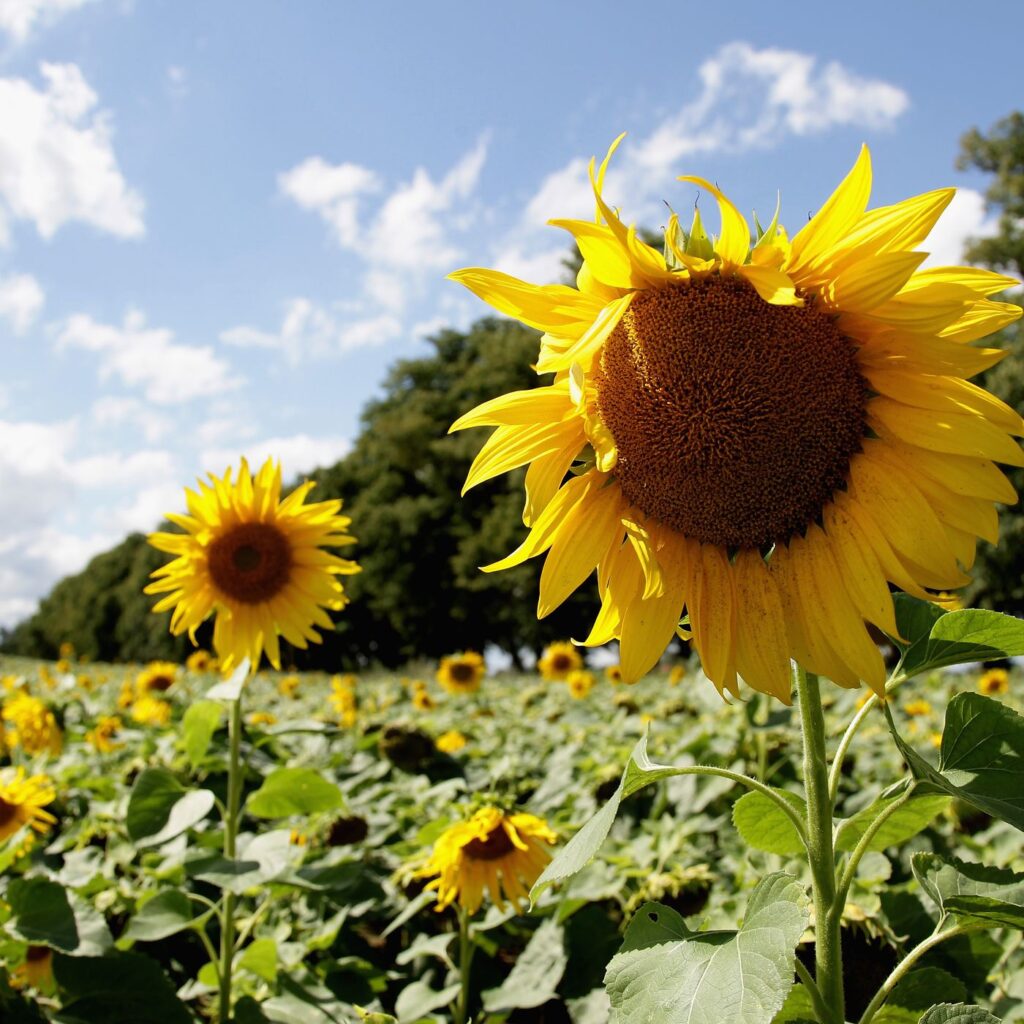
(198, 725)
(262, 859)
(914, 816)
(167, 913)
(260, 957)
(981, 758)
(917, 992)
(535, 976)
(652, 924)
(972, 890)
(289, 791)
(973, 634)
(161, 808)
(958, 1013)
(739, 977)
(417, 1000)
(45, 914)
(798, 1008)
(762, 824)
(915, 618)
(126, 988)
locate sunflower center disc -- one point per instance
(735, 420)
(8, 812)
(494, 847)
(462, 672)
(251, 562)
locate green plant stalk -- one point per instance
(461, 1014)
(828, 958)
(850, 871)
(227, 933)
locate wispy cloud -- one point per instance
(21, 300)
(20, 18)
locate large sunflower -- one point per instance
(22, 801)
(766, 432)
(256, 562)
(493, 852)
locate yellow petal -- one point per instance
(982, 318)
(733, 243)
(536, 405)
(712, 605)
(772, 285)
(586, 349)
(510, 447)
(862, 287)
(762, 653)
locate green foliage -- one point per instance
(289, 791)
(161, 808)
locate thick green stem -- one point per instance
(828, 960)
(465, 962)
(227, 933)
(909, 960)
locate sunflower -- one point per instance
(613, 673)
(31, 725)
(102, 737)
(580, 682)
(343, 699)
(22, 801)
(450, 742)
(494, 852)
(255, 562)
(262, 718)
(558, 660)
(288, 686)
(156, 677)
(676, 674)
(461, 673)
(995, 681)
(149, 710)
(421, 699)
(201, 661)
(765, 434)
(35, 970)
(917, 708)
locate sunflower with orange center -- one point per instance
(558, 660)
(493, 852)
(764, 432)
(256, 562)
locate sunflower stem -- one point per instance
(227, 933)
(828, 959)
(465, 961)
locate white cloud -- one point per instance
(333, 191)
(177, 82)
(298, 453)
(149, 506)
(57, 162)
(749, 99)
(123, 410)
(308, 330)
(18, 18)
(21, 299)
(964, 218)
(149, 358)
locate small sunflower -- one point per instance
(493, 852)
(200, 662)
(255, 562)
(917, 708)
(102, 737)
(343, 699)
(422, 701)
(580, 682)
(288, 686)
(461, 673)
(766, 432)
(156, 677)
(558, 660)
(31, 725)
(994, 682)
(613, 673)
(262, 718)
(22, 801)
(451, 742)
(67, 650)
(148, 710)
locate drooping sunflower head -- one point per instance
(558, 660)
(256, 562)
(493, 853)
(461, 673)
(994, 681)
(22, 803)
(764, 433)
(156, 677)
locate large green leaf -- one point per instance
(972, 634)
(903, 824)
(536, 974)
(260, 957)
(972, 890)
(198, 725)
(763, 825)
(915, 618)
(160, 807)
(739, 977)
(46, 914)
(981, 759)
(958, 1013)
(420, 998)
(917, 992)
(289, 791)
(260, 859)
(167, 913)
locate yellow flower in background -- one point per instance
(288, 686)
(461, 673)
(676, 674)
(613, 673)
(917, 708)
(149, 710)
(948, 600)
(22, 800)
(580, 683)
(994, 682)
(201, 661)
(255, 562)
(102, 735)
(343, 699)
(156, 677)
(67, 650)
(492, 853)
(126, 695)
(63, 666)
(31, 725)
(450, 742)
(422, 701)
(768, 432)
(262, 718)
(558, 660)
(35, 970)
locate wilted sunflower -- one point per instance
(255, 562)
(461, 673)
(156, 677)
(995, 681)
(493, 852)
(22, 801)
(765, 436)
(558, 660)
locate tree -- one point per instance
(999, 572)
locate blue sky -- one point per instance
(221, 222)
